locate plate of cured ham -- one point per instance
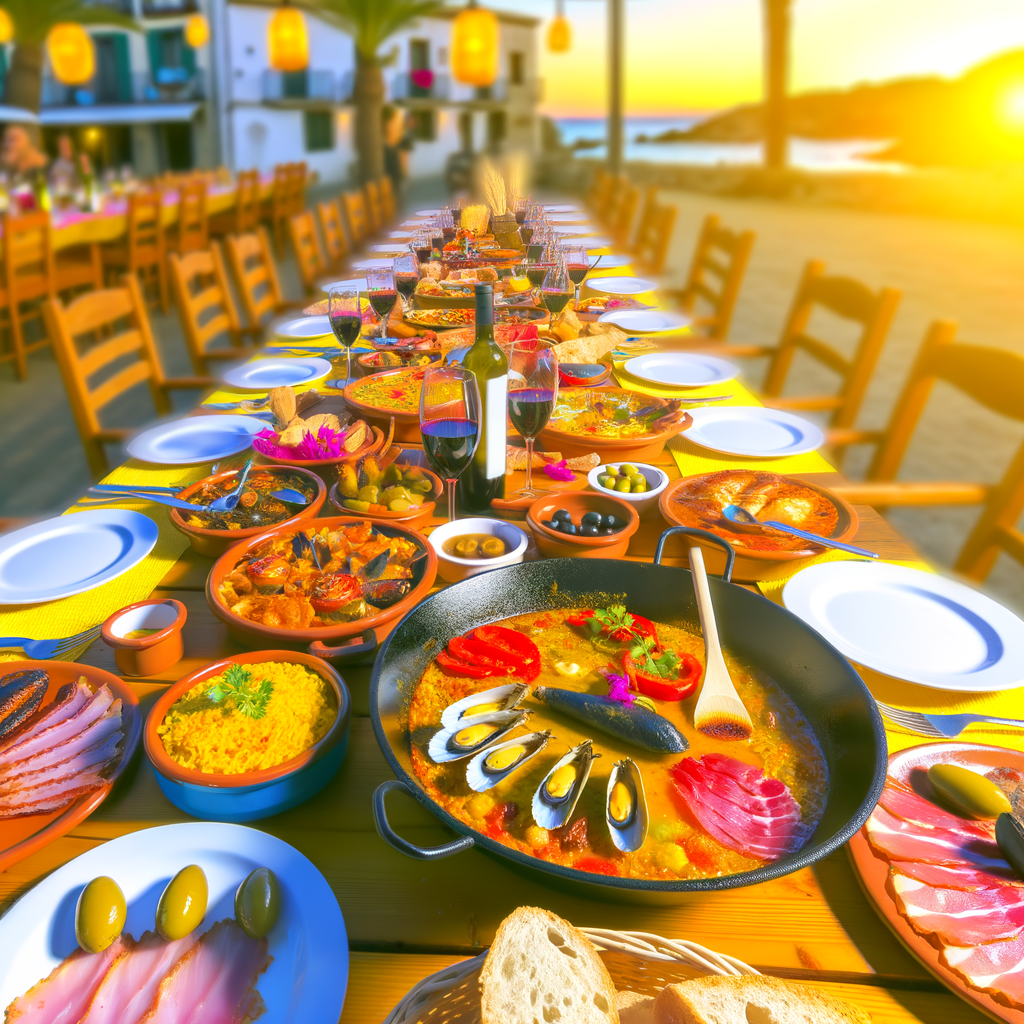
(940, 881)
(294, 974)
(66, 733)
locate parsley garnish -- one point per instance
(663, 666)
(250, 700)
(616, 617)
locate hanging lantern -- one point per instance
(71, 53)
(6, 27)
(560, 31)
(475, 46)
(287, 40)
(197, 31)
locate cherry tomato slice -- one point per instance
(334, 591)
(268, 572)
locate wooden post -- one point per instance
(616, 50)
(776, 44)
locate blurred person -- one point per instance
(64, 174)
(18, 156)
(398, 144)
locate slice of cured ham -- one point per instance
(898, 839)
(951, 876)
(62, 731)
(995, 967)
(739, 806)
(903, 802)
(95, 758)
(64, 995)
(70, 699)
(214, 981)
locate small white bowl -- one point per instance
(453, 569)
(657, 481)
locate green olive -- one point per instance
(1010, 837)
(968, 792)
(100, 914)
(258, 902)
(183, 904)
(607, 481)
(611, 471)
(623, 485)
(628, 469)
(639, 485)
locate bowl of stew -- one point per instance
(468, 547)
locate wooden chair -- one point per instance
(355, 214)
(374, 213)
(145, 251)
(308, 254)
(78, 266)
(621, 223)
(255, 272)
(297, 188)
(994, 378)
(193, 227)
(600, 190)
(207, 311)
(653, 237)
(331, 227)
(247, 202)
(388, 206)
(281, 202)
(28, 276)
(113, 326)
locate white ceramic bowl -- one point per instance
(657, 481)
(453, 569)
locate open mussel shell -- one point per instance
(556, 796)
(497, 698)
(383, 593)
(498, 762)
(626, 807)
(473, 734)
(20, 694)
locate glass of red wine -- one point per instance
(577, 264)
(407, 276)
(343, 310)
(556, 289)
(532, 390)
(383, 295)
(450, 423)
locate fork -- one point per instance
(46, 650)
(944, 726)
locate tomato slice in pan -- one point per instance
(515, 647)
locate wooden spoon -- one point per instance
(719, 712)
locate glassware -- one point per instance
(345, 315)
(557, 289)
(533, 388)
(519, 283)
(406, 272)
(450, 423)
(422, 246)
(383, 295)
(577, 264)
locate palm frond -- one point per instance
(33, 19)
(372, 22)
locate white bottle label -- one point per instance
(494, 428)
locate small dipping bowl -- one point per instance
(146, 655)
(646, 504)
(452, 568)
(555, 544)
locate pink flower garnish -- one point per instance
(618, 688)
(326, 445)
(559, 471)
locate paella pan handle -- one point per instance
(711, 538)
(388, 834)
(357, 645)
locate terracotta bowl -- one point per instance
(250, 795)
(553, 544)
(147, 655)
(413, 518)
(350, 639)
(215, 542)
(761, 565)
(371, 363)
(407, 424)
(327, 469)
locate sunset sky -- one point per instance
(697, 55)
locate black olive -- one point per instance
(549, 523)
(569, 528)
(607, 531)
(614, 522)
(588, 530)
(591, 519)
(562, 516)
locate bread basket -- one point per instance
(637, 961)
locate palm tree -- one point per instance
(776, 24)
(371, 23)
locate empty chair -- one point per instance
(308, 254)
(374, 214)
(255, 273)
(653, 237)
(207, 311)
(281, 202)
(144, 253)
(620, 223)
(388, 206)
(247, 202)
(28, 277)
(335, 242)
(78, 266)
(355, 214)
(112, 328)
(600, 190)
(193, 227)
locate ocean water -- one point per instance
(810, 154)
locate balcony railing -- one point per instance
(321, 86)
(419, 85)
(172, 85)
(166, 8)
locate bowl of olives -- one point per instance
(468, 547)
(582, 524)
(636, 483)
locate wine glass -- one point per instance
(406, 273)
(557, 288)
(345, 315)
(533, 388)
(381, 286)
(577, 263)
(450, 423)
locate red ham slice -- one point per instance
(903, 802)
(62, 731)
(898, 839)
(739, 806)
(995, 967)
(96, 757)
(951, 876)
(70, 699)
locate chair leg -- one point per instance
(18, 342)
(97, 267)
(97, 456)
(165, 298)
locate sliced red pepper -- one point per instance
(596, 866)
(462, 668)
(580, 618)
(639, 627)
(659, 688)
(515, 647)
(483, 654)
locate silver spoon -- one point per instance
(229, 501)
(740, 515)
(291, 496)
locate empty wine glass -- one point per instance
(383, 295)
(345, 315)
(532, 390)
(407, 276)
(450, 423)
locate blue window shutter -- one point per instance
(124, 68)
(155, 53)
(188, 57)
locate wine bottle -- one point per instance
(484, 480)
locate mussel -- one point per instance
(473, 734)
(497, 698)
(556, 796)
(626, 807)
(497, 763)
(20, 694)
(383, 593)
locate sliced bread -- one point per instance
(751, 999)
(541, 970)
(634, 1008)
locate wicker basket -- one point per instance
(637, 962)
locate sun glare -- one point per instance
(1013, 105)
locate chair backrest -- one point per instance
(719, 263)
(247, 201)
(850, 300)
(297, 187)
(388, 206)
(374, 214)
(28, 257)
(600, 189)
(204, 302)
(255, 272)
(308, 255)
(654, 237)
(621, 224)
(146, 240)
(281, 194)
(334, 233)
(355, 214)
(193, 225)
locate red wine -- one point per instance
(346, 328)
(521, 218)
(530, 409)
(406, 283)
(383, 301)
(449, 445)
(534, 252)
(577, 272)
(526, 234)
(555, 301)
(537, 275)
(423, 253)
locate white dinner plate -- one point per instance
(195, 439)
(625, 285)
(399, 233)
(574, 230)
(681, 369)
(305, 327)
(396, 247)
(357, 284)
(644, 321)
(593, 244)
(427, 213)
(374, 264)
(610, 261)
(262, 374)
(568, 218)
(562, 208)
(753, 431)
(304, 984)
(72, 554)
(911, 624)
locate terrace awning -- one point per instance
(122, 113)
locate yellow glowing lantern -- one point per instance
(197, 31)
(71, 53)
(287, 40)
(6, 27)
(475, 46)
(559, 34)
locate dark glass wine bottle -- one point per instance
(484, 480)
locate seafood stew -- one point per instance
(614, 413)
(256, 507)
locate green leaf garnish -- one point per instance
(249, 700)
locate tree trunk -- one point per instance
(25, 82)
(369, 101)
(776, 24)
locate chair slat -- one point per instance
(120, 383)
(107, 351)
